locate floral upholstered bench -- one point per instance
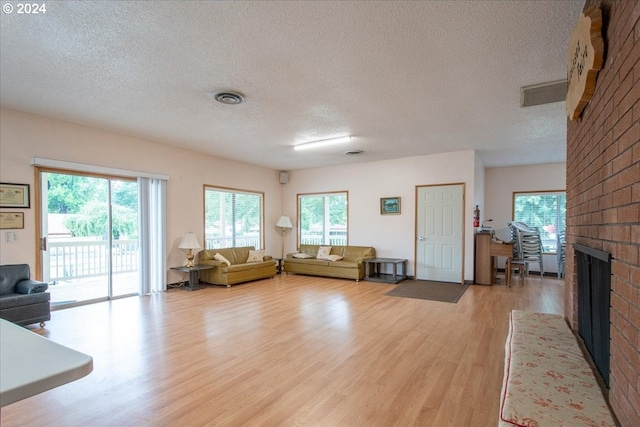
(547, 380)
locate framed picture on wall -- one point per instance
(11, 220)
(390, 206)
(14, 195)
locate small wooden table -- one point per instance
(278, 265)
(194, 275)
(373, 274)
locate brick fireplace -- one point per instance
(603, 198)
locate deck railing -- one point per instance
(318, 240)
(89, 258)
(230, 242)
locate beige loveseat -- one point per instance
(239, 271)
(351, 266)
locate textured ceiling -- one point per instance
(404, 78)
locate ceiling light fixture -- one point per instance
(322, 143)
(228, 97)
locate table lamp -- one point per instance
(189, 242)
(284, 223)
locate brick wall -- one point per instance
(603, 196)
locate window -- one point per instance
(232, 218)
(545, 210)
(322, 219)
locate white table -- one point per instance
(31, 364)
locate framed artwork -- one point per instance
(390, 206)
(11, 220)
(14, 195)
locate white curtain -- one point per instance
(152, 210)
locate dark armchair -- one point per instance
(23, 301)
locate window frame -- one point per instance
(260, 194)
(299, 196)
(543, 193)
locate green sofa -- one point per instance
(239, 271)
(351, 266)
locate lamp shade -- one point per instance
(284, 222)
(189, 241)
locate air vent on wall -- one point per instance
(545, 93)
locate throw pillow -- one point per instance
(221, 258)
(334, 257)
(301, 255)
(256, 256)
(323, 252)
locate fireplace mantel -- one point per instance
(601, 255)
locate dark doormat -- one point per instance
(433, 291)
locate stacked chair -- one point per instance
(527, 246)
(562, 242)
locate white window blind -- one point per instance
(152, 212)
(323, 218)
(545, 210)
(232, 218)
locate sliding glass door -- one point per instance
(88, 236)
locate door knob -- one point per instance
(422, 239)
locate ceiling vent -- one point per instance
(227, 97)
(353, 152)
(545, 93)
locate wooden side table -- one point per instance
(194, 275)
(372, 270)
(278, 265)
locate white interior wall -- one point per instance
(392, 235)
(479, 197)
(24, 136)
(501, 183)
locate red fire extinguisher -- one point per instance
(476, 217)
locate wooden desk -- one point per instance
(502, 249)
(485, 252)
(31, 364)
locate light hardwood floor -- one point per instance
(290, 351)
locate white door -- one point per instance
(439, 233)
